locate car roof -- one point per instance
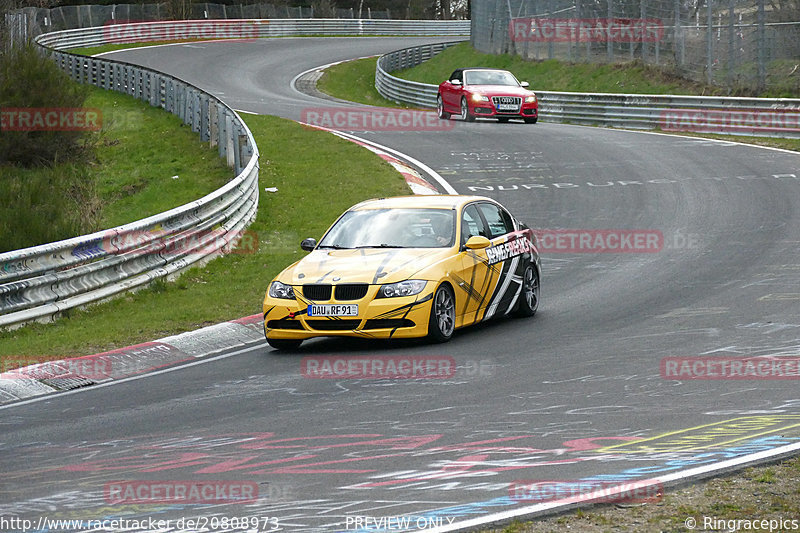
(485, 68)
(422, 202)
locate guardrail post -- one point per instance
(169, 100)
(230, 136)
(222, 144)
(180, 108)
(117, 79)
(138, 82)
(237, 150)
(196, 106)
(128, 80)
(154, 83)
(92, 71)
(204, 118)
(106, 76)
(213, 124)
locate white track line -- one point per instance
(59, 395)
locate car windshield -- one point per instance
(489, 77)
(392, 228)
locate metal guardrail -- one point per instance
(404, 91)
(768, 117)
(42, 281)
(249, 29)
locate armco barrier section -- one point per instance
(767, 117)
(43, 281)
(250, 29)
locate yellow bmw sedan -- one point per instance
(410, 266)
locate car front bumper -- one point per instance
(398, 317)
(488, 110)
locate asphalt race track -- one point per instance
(576, 392)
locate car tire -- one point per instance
(284, 345)
(528, 301)
(531, 120)
(465, 114)
(443, 315)
(444, 115)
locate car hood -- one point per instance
(365, 265)
(499, 90)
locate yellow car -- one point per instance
(410, 266)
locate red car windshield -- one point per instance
(489, 77)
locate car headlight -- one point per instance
(281, 290)
(403, 288)
(479, 98)
(530, 99)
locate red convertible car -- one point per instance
(485, 92)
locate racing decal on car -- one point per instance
(518, 243)
(511, 275)
(507, 255)
(472, 292)
(479, 293)
(404, 309)
(401, 312)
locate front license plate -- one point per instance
(507, 107)
(333, 310)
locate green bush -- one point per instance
(41, 205)
(30, 80)
(46, 190)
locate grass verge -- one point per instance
(307, 201)
(354, 81)
(149, 161)
(758, 493)
(635, 77)
(146, 162)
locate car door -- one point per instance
(475, 279)
(507, 254)
(491, 278)
(451, 95)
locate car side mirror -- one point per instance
(455, 82)
(524, 84)
(477, 242)
(308, 244)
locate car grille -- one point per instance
(345, 291)
(333, 325)
(354, 291)
(383, 323)
(284, 324)
(317, 292)
(505, 100)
